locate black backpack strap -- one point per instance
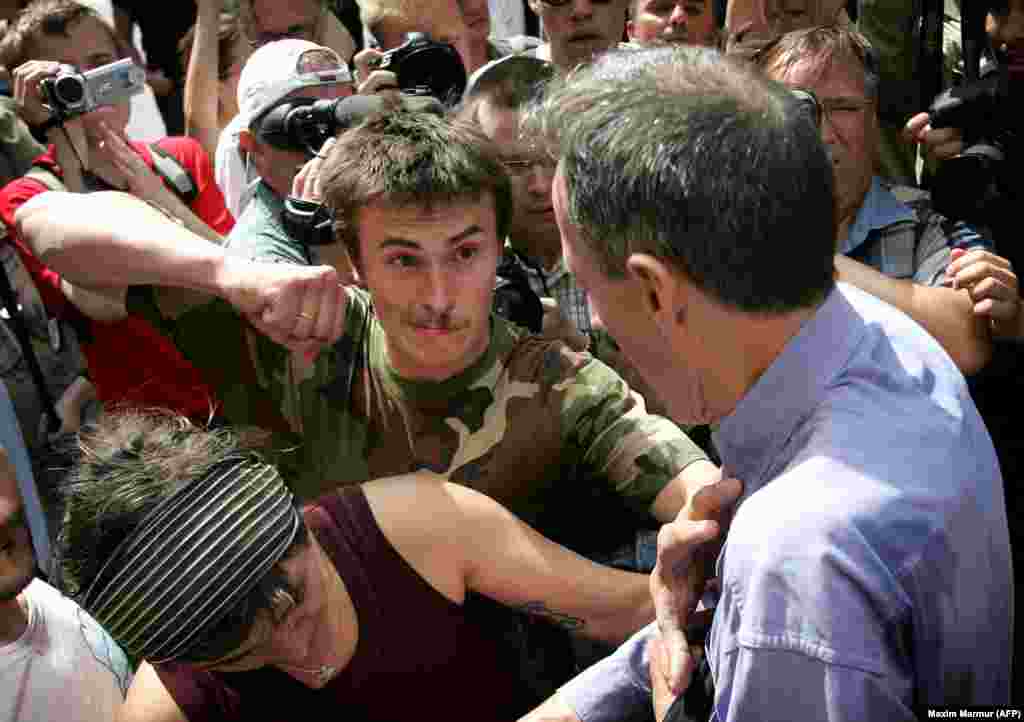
(174, 174)
(24, 336)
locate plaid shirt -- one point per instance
(897, 232)
(559, 284)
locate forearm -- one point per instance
(174, 205)
(114, 239)
(510, 562)
(945, 313)
(680, 490)
(201, 91)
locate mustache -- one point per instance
(443, 321)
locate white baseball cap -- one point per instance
(276, 69)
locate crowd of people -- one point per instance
(576, 360)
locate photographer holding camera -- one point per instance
(284, 72)
(71, 91)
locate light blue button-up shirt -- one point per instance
(867, 571)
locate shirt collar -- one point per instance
(750, 439)
(879, 209)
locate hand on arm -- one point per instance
(993, 289)
(946, 314)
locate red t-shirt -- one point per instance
(130, 361)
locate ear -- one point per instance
(534, 6)
(662, 294)
(629, 29)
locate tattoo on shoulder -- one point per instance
(560, 619)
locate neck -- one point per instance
(13, 619)
(335, 643)
(755, 341)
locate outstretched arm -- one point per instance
(460, 540)
(114, 239)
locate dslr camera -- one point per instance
(70, 93)
(426, 67)
(966, 186)
(305, 124)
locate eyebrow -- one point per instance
(395, 242)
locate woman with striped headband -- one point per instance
(189, 549)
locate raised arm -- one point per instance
(201, 88)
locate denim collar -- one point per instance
(879, 209)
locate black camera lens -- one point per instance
(69, 90)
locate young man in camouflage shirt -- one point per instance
(418, 373)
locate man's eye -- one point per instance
(403, 261)
(466, 253)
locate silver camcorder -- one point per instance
(72, 93)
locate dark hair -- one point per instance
(679, 153)
(228, 35)
(414, 158)
(45, 17)
(130, 461)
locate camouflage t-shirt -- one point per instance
(555, 436)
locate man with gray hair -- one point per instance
(869, 549)
(890, 242)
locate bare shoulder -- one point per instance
(419, 514)
(148, 700)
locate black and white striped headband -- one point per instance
(193, 558)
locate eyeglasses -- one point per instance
(843, 108)
(835, 109)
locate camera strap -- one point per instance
(174, 174)
(24, 336)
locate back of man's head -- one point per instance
(684, 155)
(409, 158)
(49, 18)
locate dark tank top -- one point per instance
(418, 656)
